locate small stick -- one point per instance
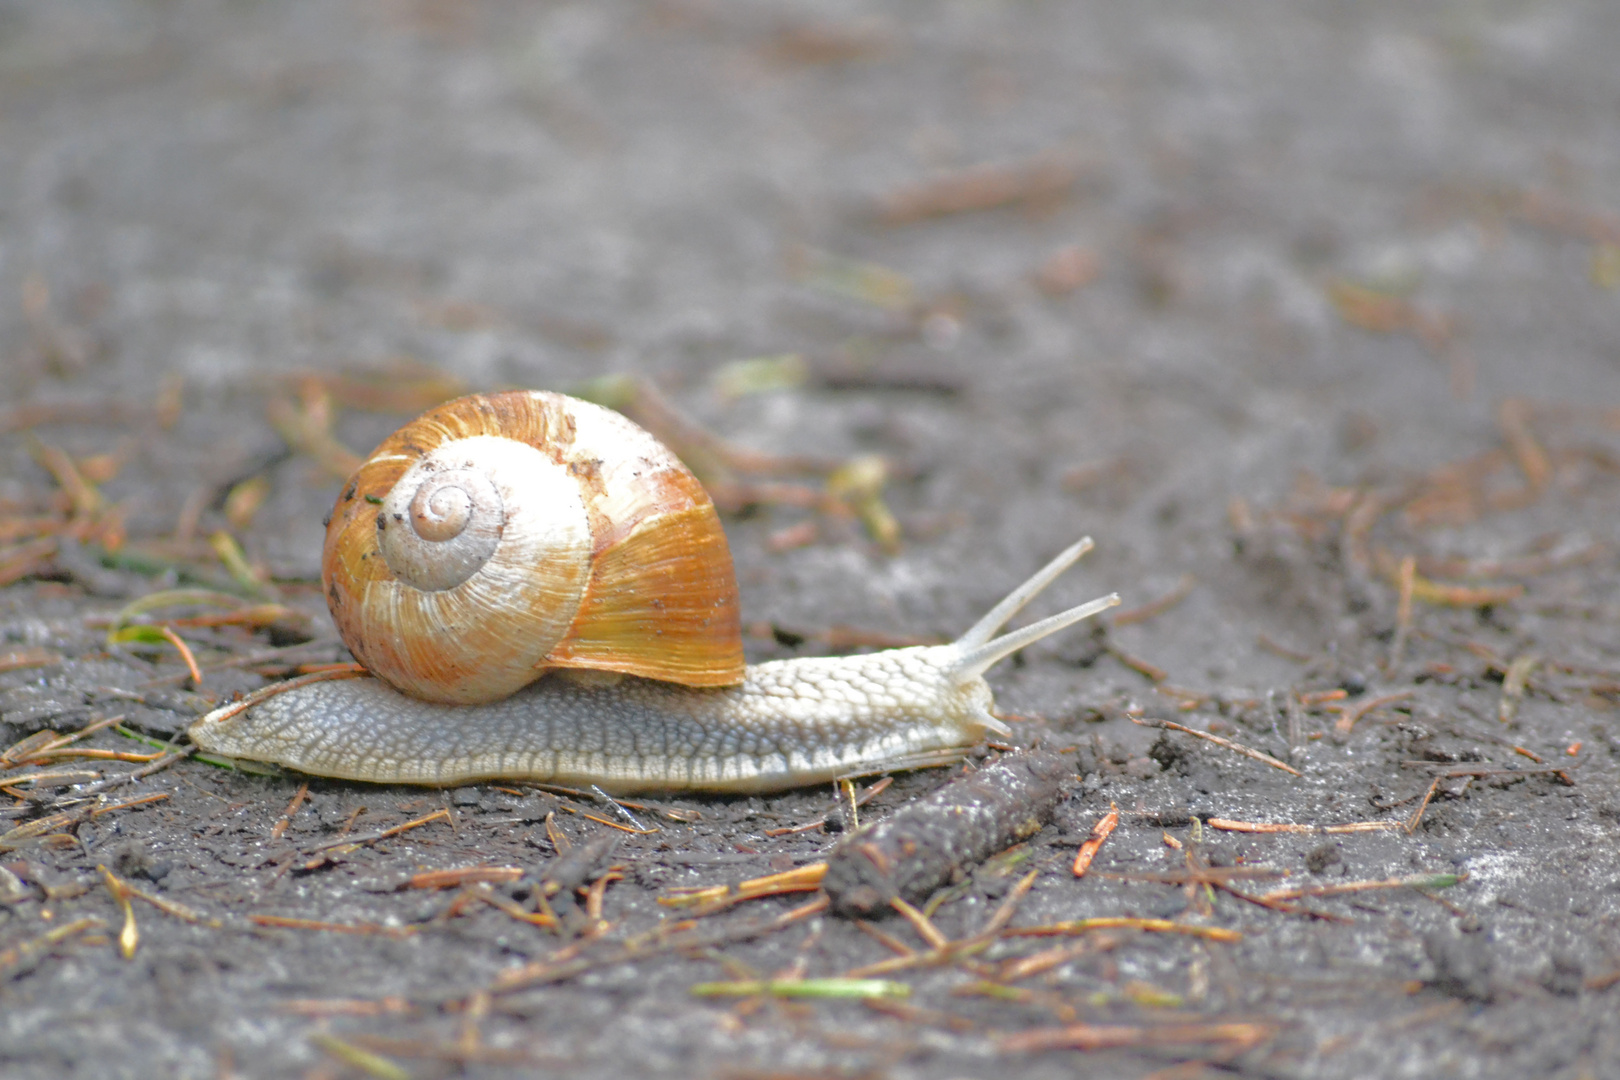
(1295, 722)
(596, 894)
(1277, 905)
(1099, 833)
(804, 878)
(609, 824)
(352, 671)
(618, 808)
(954, 950)
(1037, 181)
(1182, 590)
(807, 876)
(1595, 983)
(85, 498)
(139, 800)
(138, 774)
(1045, 960)
(464, 875)
(348, 826)
(1289, 827)
(805, 988)
(262, 656)
(1348, 718)
(1467, 596)
(469, 1041)
(90, 753)
(720, 901)
(1417, 816)
(122, 889)
(1513, 417)
(866, 796)
(998, 922)
(11, 785)
(1417, 881)
(457, 1053)
(884, 938)
(546, 918)
(25, 954)
(1111, 922)
(42, 742)
(922, 924)
(1257, 755)
(1149, 671)
(1196, 874)
(1277, 648)
(373, 1065)
(286, 923)
(20, 835)
(566, 964)
(287, 815)
(1234, 1037)
(916, 849)
(129, 938)
(559, 839)
(44, 413)
(1403, 611)
(19, 751)
(185, 653)
(674, 814)
(306, 427)
(344, 1006)
(440, 814)
(1514, 682)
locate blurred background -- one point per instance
(1057, 266)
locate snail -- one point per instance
(540, 590)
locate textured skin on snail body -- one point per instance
(626, 725)
(791, 722)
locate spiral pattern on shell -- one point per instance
(499, 536)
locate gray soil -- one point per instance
(1329, 241)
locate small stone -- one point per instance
(465, 796)
(1320, 858)
(1462, 965)
(134, 860)
(1565, 975)
(1142, 768)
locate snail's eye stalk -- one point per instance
(980, 649)
(975, 662)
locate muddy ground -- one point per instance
(1298, 309)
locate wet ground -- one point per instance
(1307, 314)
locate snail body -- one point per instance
(625, 723)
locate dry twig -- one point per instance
(1099, 833)
(1257, 755)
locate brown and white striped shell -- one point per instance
(499, 536)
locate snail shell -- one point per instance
(499, 536)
